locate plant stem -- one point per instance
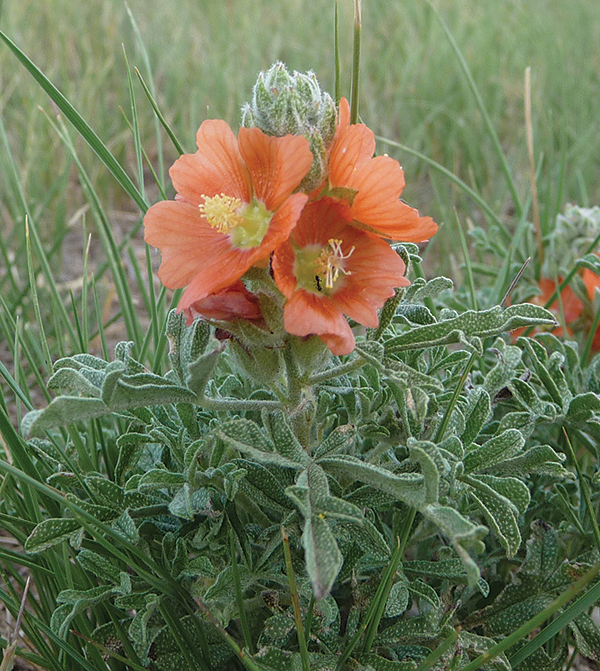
(295, 601)
(338, 371)
(355, 62)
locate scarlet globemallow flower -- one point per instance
(234, 206)
(234, 302)
(369, 188)
(328, 269)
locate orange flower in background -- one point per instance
(234, 302)
(369, 188)
(234, 206)
(328, 269)
(592, 282)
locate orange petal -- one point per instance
(178, 230)
(344, 115)
(192, 252)
(283, 269)
(591, 281)
(375, 271)
(216, 168)
(277, 164)
(283, 222)
(352, 148)
(306, 314)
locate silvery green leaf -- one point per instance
(160, 478)
(587, 635)
(231, 482)
(247, 437)
(446, 569)
(72, 381)
(425, 593)
(199, 371)
(50, 532)
(406, 487)
(388, 311)
(121, 392)
(501, 519)
(481, 644)
(433, 287)
(583, 407)
(408, 376)
(476, 415)
(397, 601)
(526, 395)
(80, 361)
(130, 447)
(540, 459)
(372, 661)
(429, 470)
(102, 513)
(261, 478)
(590, 261)
(339, 440)
(513, 489)
(109, 493)
(98, 566)
(469, 324)
(413, 313)
(509, 359)
(561, 396)
(497, 449)
(280, 431)
(61, 411)
(322, 555)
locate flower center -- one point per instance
(317, 268)
(330, 262)
(245, 223)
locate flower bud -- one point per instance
(283, 103)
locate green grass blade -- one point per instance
(483, 111)
(80, 125)
(239, 596)
(159, 115)
(146, 59)
(137, 142)
(355, 62)
(336, 51)
(468, 270)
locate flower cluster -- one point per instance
(245, 202)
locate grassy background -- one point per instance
(204, 57)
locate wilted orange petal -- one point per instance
(572, 307)
(277, 164)
(352, 147)
(234, 302)
(339, 345)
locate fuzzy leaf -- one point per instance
(476, 416)
(497, 449)
(50, 532)
(200, 371)
(483, 324)
(406, 487)
(283, 438)
(61, 411)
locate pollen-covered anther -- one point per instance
(331, 262)
(222, 212)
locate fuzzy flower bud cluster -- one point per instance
(284, 103)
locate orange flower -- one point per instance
(234, 302)
(327, 269)
(572, 307)
(592, 282)
(370, 188)
(233, 208)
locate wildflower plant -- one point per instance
(345, 466)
